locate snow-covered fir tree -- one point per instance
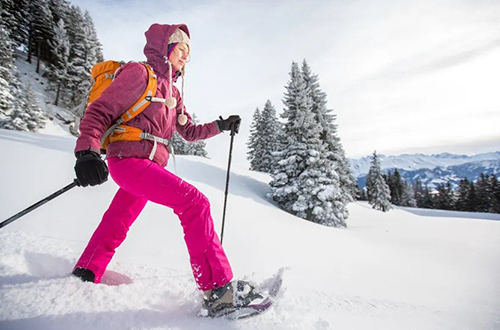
(395, 183)
(58, 74)
(26, 114)
(334, 151)
(7, 70)
(484, 193)
(270, 131)
(7, 18)
(59, 10)
(254, 141)
(302, 184)
(408, 196)
(80, 63)
(61, 37)
(444, 199)
(16, 17)
(379, 195)
(462, 194)
(264, 140)
(495, 188)
(41, 32)
(93, 45)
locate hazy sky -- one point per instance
(402, 76)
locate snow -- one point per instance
(404, 269)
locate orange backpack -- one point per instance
(103, 75)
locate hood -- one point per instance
(156, 45)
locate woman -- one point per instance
(138, 167)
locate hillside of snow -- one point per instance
(405, 269)
(59, 118)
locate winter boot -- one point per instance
(84, 274)
(229, 298)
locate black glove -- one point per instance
(232, 123)
(90, 168)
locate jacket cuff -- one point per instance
(82, 145)
(217, 127)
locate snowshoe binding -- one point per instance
(228, 299)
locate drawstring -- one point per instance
(171, 102)
(182, 117)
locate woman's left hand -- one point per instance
(232, 123)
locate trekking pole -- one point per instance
(234, 130)
(38, 204)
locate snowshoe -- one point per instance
(229, 298)
(240, 299)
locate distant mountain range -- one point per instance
(432, 169)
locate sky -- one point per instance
(401, 76)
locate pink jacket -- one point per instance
(156, 119)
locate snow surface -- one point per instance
(404, 269)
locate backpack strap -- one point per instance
(139, 106)
(145, 98)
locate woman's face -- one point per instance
(179, 56)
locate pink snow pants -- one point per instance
(142, 180)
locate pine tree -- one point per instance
(418, 192)
(379, 195)
(6, 71)
(26, 114)
(301, 183)
(299, 129)
(462, 195)
(41, 32)
(472, 201)
(7, 18)
(361, 195)
(408, 196)
(179, 144)
(58, 75)
(269, 132)
(444, 200)
(484, 194)
(79, 60)
(254, 142)
(427, 199)
(495, 188)
(396, 186)
(334, 151)
(16, 17)
(93, 45)
(59, 10)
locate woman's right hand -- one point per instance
(90, 168)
